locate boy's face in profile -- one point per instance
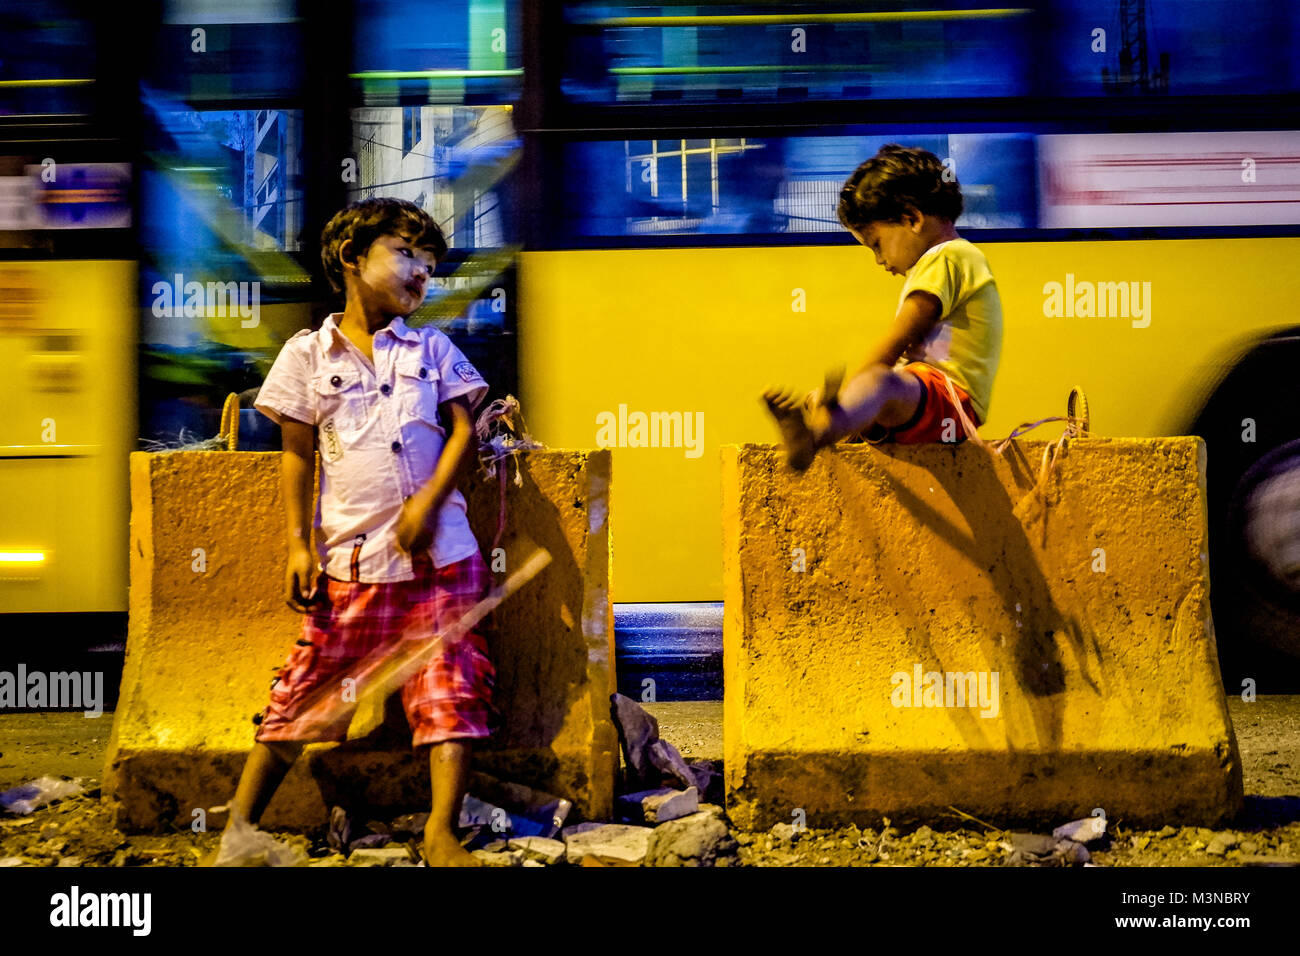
(897, 245)
(393, 274)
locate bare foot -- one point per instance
(800, 445)
(445, 850)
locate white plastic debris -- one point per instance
(27, 797)
(243, 844)
(1082, 831)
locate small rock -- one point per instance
(70, 861)
(1141, 842)
(1198, 845)
(332, 859)
(1221, 844)
(744, 839)
(1165, 832)
(785, 832)
(509, 858)
(539, 849)
(533, 863)
(1249, 847)
(8, 861)
(608, 843)
(713, 810)
(379, 856)
(1205, 834)
(697, 840)
(659, 806)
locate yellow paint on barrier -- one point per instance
(908, 629)
(209, 629)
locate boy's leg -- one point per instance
(448, 773)
(263, 773)
(878, 395)
(448, 703)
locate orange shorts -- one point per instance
(935, 418)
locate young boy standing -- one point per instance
(389, 408)
(931, 376)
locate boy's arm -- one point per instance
(413, 533)
(915, 320)
(297, 469)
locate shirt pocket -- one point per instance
(340, 399)
(417, 388)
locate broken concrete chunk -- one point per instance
(1081, 831)
(659, 806)
(671, 805)
(785, 832)
(700, 839)
(607, 843)
(1221, 844)
(637, 730)
(508, 858)
(380, 856)
(539, 849)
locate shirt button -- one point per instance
(385, 389)
(397, 446)
(336, 381)
(424, 373)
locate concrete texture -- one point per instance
(935, 557)
(206, 640)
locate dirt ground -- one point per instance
(78, 831)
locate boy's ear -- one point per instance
(912, 218)
(346, 255)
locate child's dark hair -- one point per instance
(881, 189)
(365, 221)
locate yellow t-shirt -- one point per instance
(966, 342)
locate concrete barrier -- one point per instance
(209, 629)
(906, 629)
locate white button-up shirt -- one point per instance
(379, 439)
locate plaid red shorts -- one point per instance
(449, 699)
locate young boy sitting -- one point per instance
(389, 408)
(932, 374)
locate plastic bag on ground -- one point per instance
(27, 797)
(243, 844)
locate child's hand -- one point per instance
(413, 533)
(302, 587)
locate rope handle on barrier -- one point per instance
(229, 432)
(1077, 425)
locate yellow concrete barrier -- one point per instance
(907, 629)
(209, 629)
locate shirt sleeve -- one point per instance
(286, 393)
(938, 275)
(457, 376)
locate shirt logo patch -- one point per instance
(331, 448)
(467, 372)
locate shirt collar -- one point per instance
(332, 335)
